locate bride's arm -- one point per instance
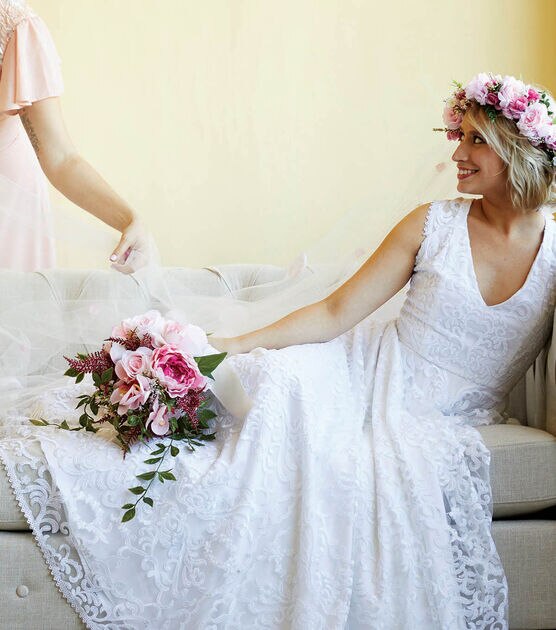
(76, 179)
(379, 278)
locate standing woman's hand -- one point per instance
(79, 182)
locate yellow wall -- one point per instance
(242, 129)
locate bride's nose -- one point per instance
(460, 154)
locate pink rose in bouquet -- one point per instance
(130, 395)
(176, 371)
(132, 363)
(190, 339)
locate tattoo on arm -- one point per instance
(30, 131)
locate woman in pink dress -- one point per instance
(34, 143)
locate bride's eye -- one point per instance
(479, 139)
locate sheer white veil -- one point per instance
(42, 320)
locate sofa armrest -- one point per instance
(540, 389)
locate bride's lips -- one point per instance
(464, 173)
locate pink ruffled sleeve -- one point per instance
(31, 67)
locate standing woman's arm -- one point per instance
(76, 179)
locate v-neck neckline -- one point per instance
(472, 263)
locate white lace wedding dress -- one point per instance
(355, 494)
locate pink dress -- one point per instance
(29, 72)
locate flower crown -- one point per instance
(531, 109)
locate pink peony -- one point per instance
(533, 95)
(452, 119)
(534, 117)
(158, 419)
(176, 370)
(188, 338)
(133, 363)
(493, 100)
(510, 90)
(131, 395)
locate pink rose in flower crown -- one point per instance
(452, 119)
(510, 90)
(534, 118)
(493, 100)
(133, 363)
(131, 395)
(188, 338)
(516, 108)
(176, 371)
(478, 88)
(158, 419)
(453, 134)
(533, 95)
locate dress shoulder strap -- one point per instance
(443, 213)
(12, 12)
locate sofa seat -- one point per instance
(523, 474)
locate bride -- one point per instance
(355, 492)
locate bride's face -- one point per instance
(481, 171)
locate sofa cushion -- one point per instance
(522, 469)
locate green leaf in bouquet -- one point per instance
(153, 460)
(146, 476)
(161, 445)
(160, 478)
(127, 506)
(106, 376)
(158, 451)
(209, 363)
(64, 425)
(207, 437)
(133, 420)
(71, 372)
(80, 377)
(137, 490)
(82, 402)
(96, 378)
(38, 423)
(167, 475)
(94, 407)
(91, 428)
(174, 450)
(206, 414)
(128, 515)
(148, 501)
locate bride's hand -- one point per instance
(225, 344)
(134, 249)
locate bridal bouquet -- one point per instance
(150, 380)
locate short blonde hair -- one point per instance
(531, 176)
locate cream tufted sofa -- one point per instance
(523, 469)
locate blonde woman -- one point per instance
(34, 142)
(355, 492)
